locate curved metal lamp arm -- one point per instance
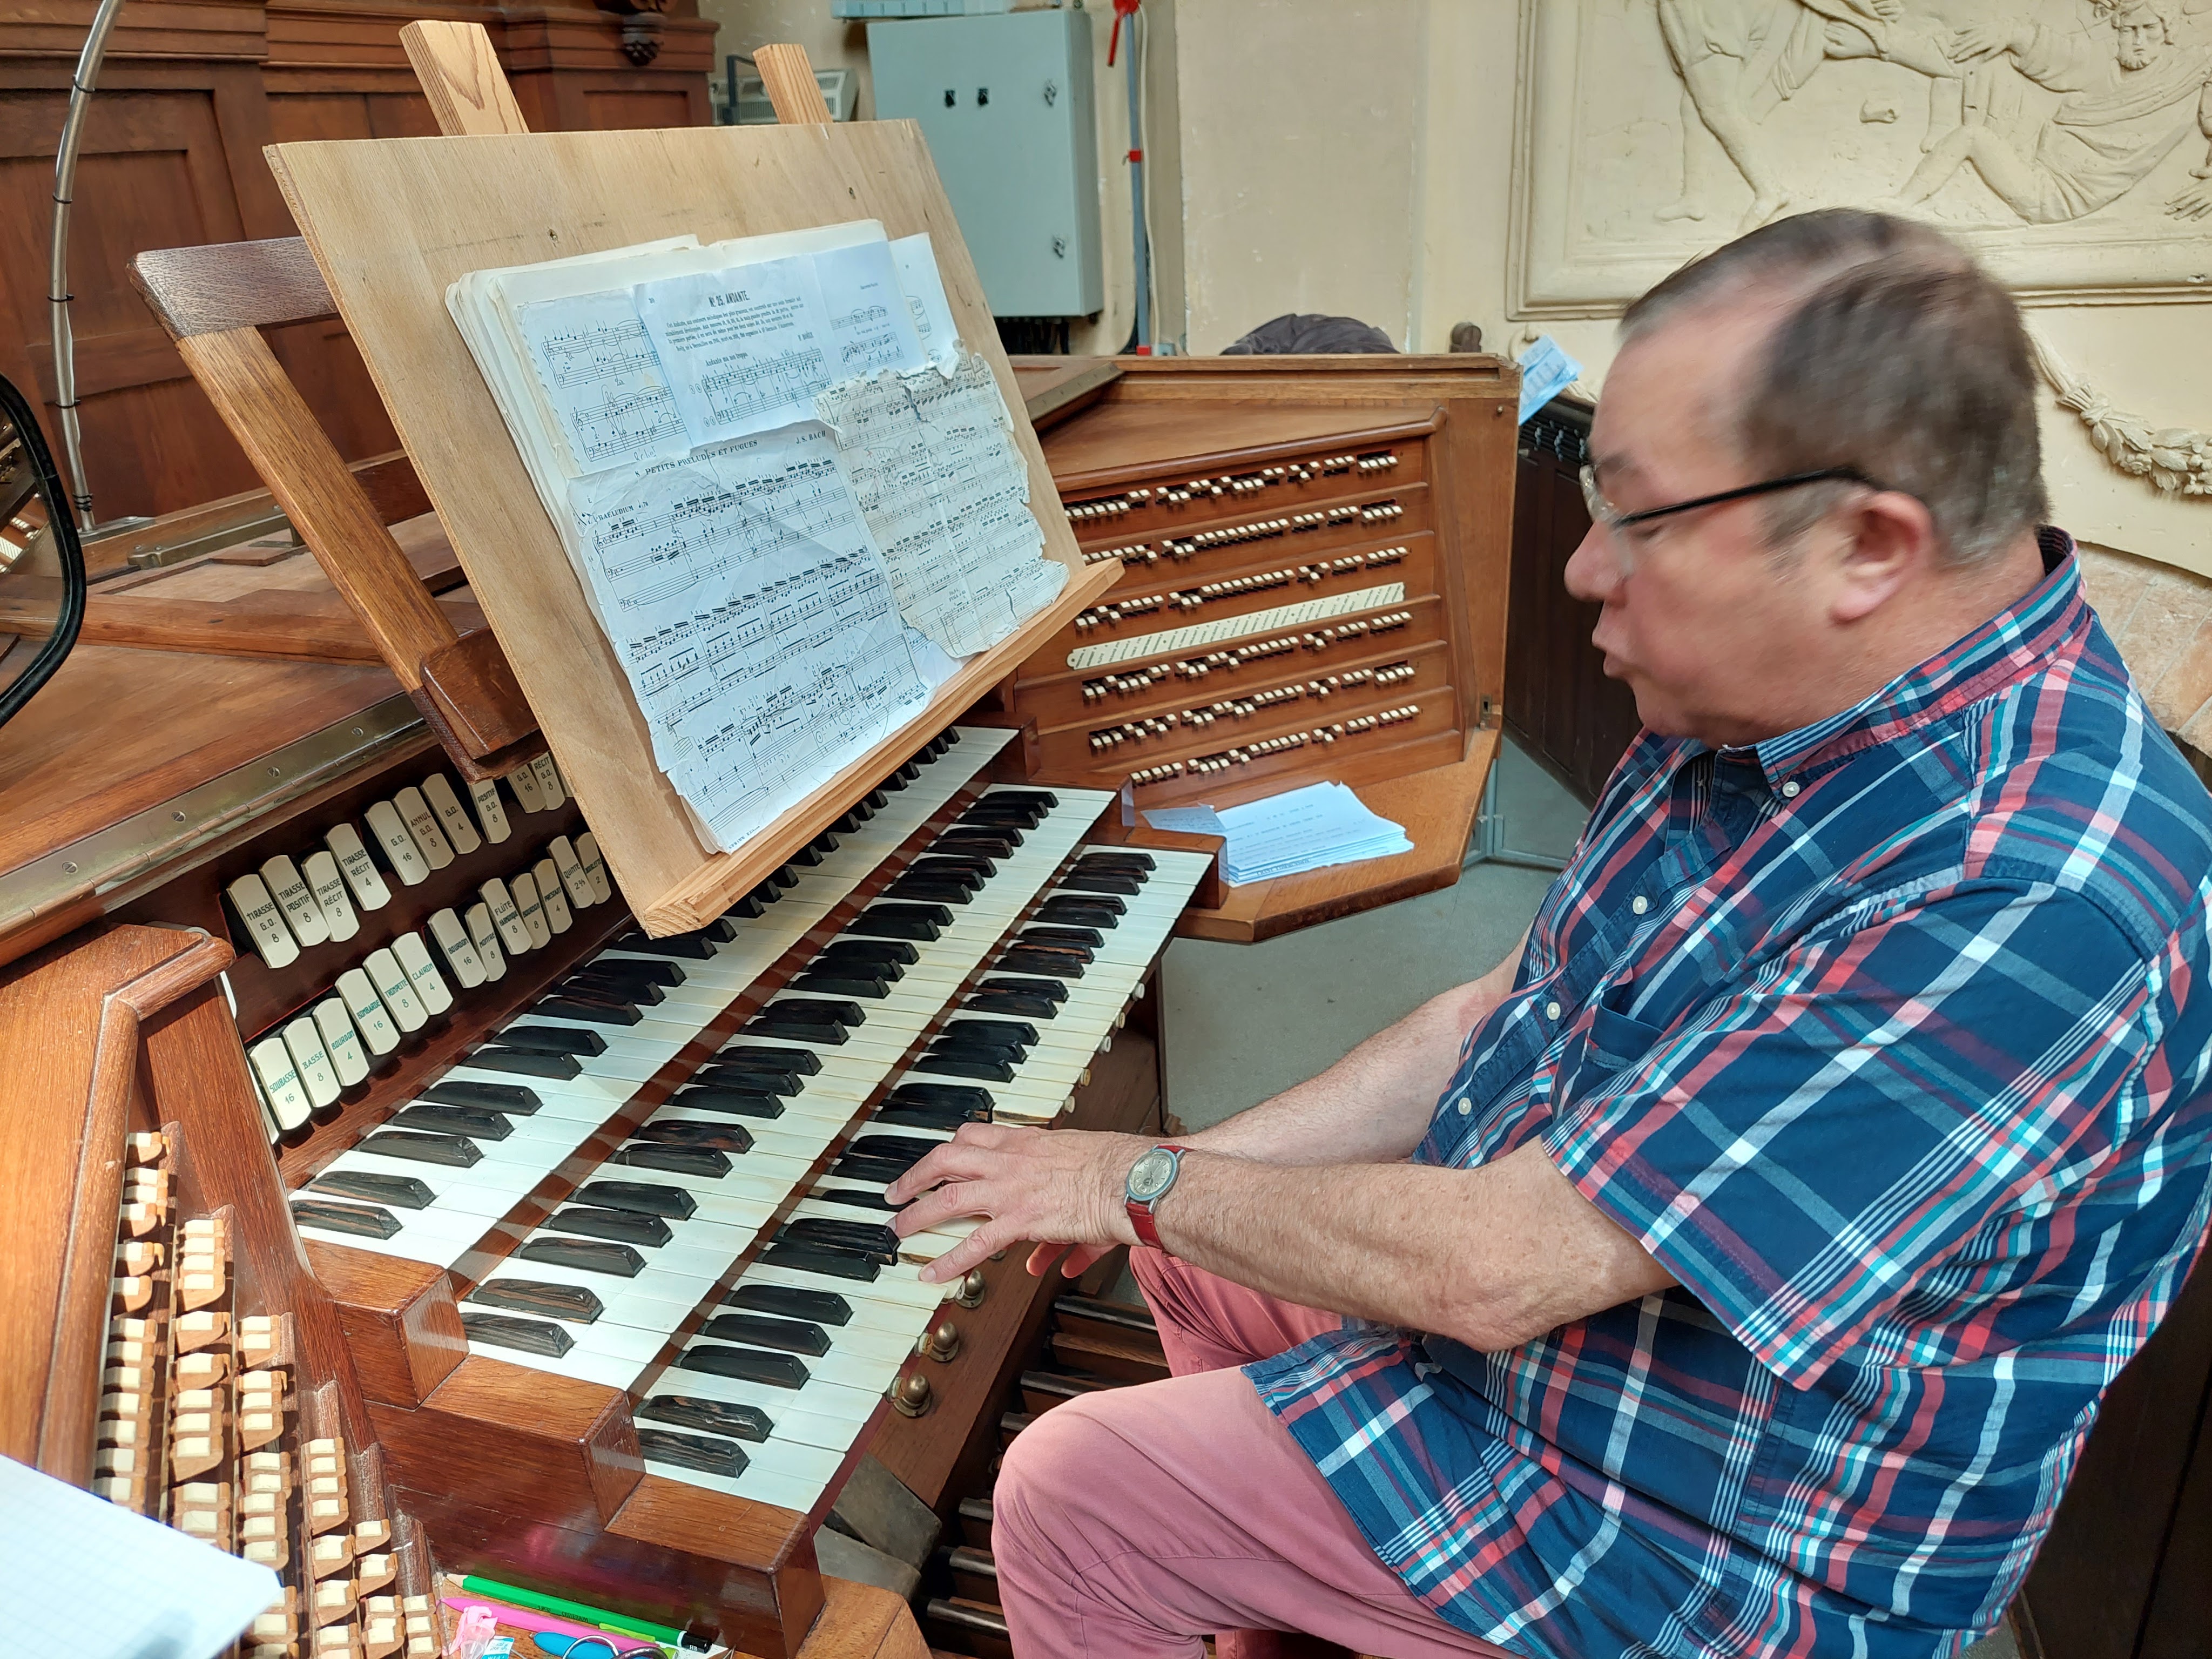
(16, 407)
(58, 294)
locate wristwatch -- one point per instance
(1152, 1177)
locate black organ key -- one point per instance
(537, 1336)
(1044, 799)
(822, 1011)
(747, 908)
(1049, 989)
(942, 891)
(721, 930)
(645, 1197)
(857, 1197)
(766, 894)
(885, 953)
(788, 1302)
(911, 769)
(755, 1331)
(364, 1221)
(842, 980)
(592, 1014)
(970, 872)
(708, 1454)
(454, 1151)
(720, 1417)
(511, 1098)
(454, 1120)
(965, 1063)
(768, 1059)
(750, 1080)
(811, 855)
(786, 877)
(1080, 880)
(875, 801)
(590, 985)
(904, 1149)
(994, 1033)
(591, 1255)
(1104, 903)
(529, 1296)
(830, 1264)
(693, 945)
(1012, 1002)
(401, 1192)
(550, 1040)
(904, 921)
(851, 821)
(1085, 939)
(674, 1160)
(958, 855)
(705, 1137)
(525, 1062)
(984, 816)
(622, 1226)
(821, 1232)
(995, 842)
(1048, 964)
(882, 1171)
(738, 1102)
(768, 1024)
(774, 1370)
(1119, 858)
(1080, 913)
(633, 970)
(975, 1103)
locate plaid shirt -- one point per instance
(1883, 1037)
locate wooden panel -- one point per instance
(466, 203)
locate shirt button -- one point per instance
(1465, 1106)
(1639, 904)
(1551, 1010)
(1789, 789)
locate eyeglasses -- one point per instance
(1613, 520)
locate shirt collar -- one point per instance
(2009, 646)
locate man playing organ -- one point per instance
(1737, 1268)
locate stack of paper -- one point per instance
(1309, 828)
(792, 498)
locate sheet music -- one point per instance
(924, 287)
(1303, 614)
(946, 491)
(602, 379)
(752, 612)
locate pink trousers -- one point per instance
(1135, 1522)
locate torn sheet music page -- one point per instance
(746, 348)
(924, 287)
(610, 401)
(945, 491)
(750, 610)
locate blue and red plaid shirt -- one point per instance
(1888, 1039)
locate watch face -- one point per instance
(1151, 1175)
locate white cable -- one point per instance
(1142, 45)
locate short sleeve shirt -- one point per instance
(1888, 1038)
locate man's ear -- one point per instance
(1889, 539)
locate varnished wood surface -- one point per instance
(461, 76)
(1436, 807)
(391, 225)
(1056, 389)
(226, 285)
(69, 1021)
(401, 1321)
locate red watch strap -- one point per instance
(1140, 1215)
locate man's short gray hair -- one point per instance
(1893, 353)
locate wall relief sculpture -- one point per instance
(2069, 142)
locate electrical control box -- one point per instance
(1007, 105)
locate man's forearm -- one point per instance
(1372, 1106)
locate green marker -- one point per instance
(491, 1589)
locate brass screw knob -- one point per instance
(941, 1343)
(911, 1395)
(972, 1289)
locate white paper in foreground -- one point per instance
(79, 1576)
(924, 287)
(946, 491)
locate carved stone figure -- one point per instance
(2127, 102)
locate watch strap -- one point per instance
(1140, 1210)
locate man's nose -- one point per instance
(1593, 574)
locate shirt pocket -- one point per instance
(1614, 1042)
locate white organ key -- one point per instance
(549, 781)
(595, 867)
(261, 1094)
(370, 1016)
(485, 936)
(286, 885)
(525, 888)
(490, 813)
(369, 888)
(280, 1082)
(393, 989)
(423, 823)
(399, 849)
(550, 896)
(329, 887)
(303, 1041)
(341, 1042)
(422, 975)
(506, 917)
(572, 879)
(527, 795)
(460, 954)
(452, 816)
(265, 922)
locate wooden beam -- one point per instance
(792, 87)
(461, 76)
